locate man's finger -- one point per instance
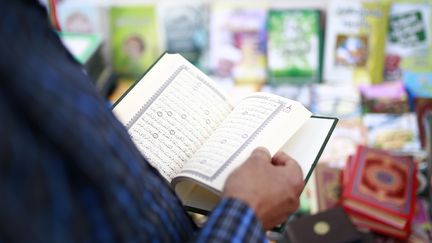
(260, 154)
(280, 159)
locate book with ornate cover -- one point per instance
(186, 127)
(355, 41)
(382, 187)
(294, 46)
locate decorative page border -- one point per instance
(243, 146)
(156, 95)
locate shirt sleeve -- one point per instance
(232, 221)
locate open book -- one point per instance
(186, 127)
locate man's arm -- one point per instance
(107, 189)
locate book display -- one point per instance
(202, 83)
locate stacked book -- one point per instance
(379, 191)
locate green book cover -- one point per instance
(134, 39)
(409, 41)
(293, 46)
(355, 41)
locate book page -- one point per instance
(171, 112)
(258, 120)
(307, 144)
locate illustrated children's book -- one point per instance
(186, 127)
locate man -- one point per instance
(70, 173)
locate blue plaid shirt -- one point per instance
(68, 170)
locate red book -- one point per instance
(364, 221)
(346, 172)
(328, 186)
(381, 187)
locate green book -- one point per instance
(409, 40)
(293, 46)
(134, 39)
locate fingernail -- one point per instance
(261, 150)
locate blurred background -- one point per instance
(369, 63)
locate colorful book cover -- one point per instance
(421, 227)
(328, 186)
(134, 39)
(341, 100)
(423, 107)
(355, 41)
(383, 187)
(409, 36)
(237, 41)
(418, 84)
(387, 97)
(394, 132)
(86, 18)
(185, 30)
(293, 46)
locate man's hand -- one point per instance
(270, 186)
